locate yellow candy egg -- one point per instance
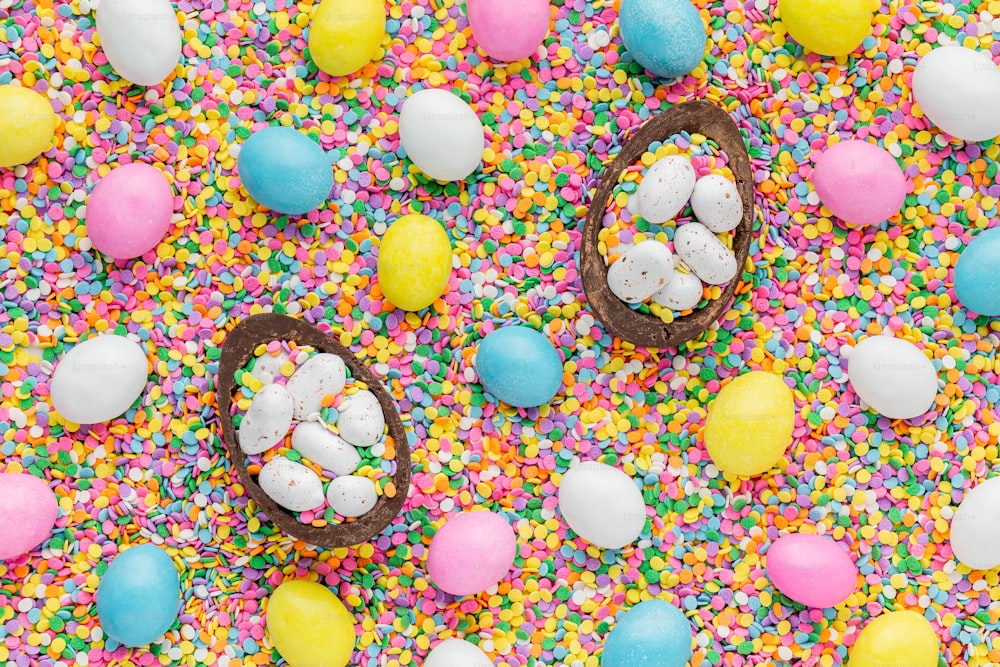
(414, 262)
(827, 27)
(309, 626)
(896, 638)
(345, 34)
(750, 423)
(27, 125)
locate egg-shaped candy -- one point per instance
(320, 376)
(139, 596)
(509, 30)
(665, 188)
(519, 366)
(975, 530)
(441, 134)
(827, 27)
(309, 625)
(471, 552)
(285, 171)
(901, 637)
(351, 495)
(99, 379)
(602, 505)
(892, 376)
(316, 443)
(141, 38)
(28, 511)
(641, 271)
(653, 633)
(457, 653)
(27, 125)
(749, 424)
(267, 420)
(811, 569)
(292, 485)
(716, 203)
(859, 182)
(361, 420)
(682, 292)
(957, 89)
(414, 262)
(667, 37)
(129, 211)
(705, 254)
(344, 35)
(977, 274)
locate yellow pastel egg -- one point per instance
(309, 626)
(27, 125)
(345, 34)
(896, 638)
(827, 27)
(414, 262)
(750, 423)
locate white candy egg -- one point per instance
(320, 376)
(315, 442)
(441, 134)
(665, 189)
(268, 366)
(975, 531)
(958, 89)
(682, 292)
(892, 376)
(361, 421)
(351, 495)
(704, 253)
(457, 653)
(641, 271)
(267, 420)
(99, 379)
(602, 504)
(717, 203)
(141, 38)
(291, 485)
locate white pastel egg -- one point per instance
(975, 531)
(316, 443)
(457, 653)
(641, 271)
(141, 38)
(292, 485)
(665, 189)
(321, 375)
(441, 134)
(682, 292)
(705, 254)
(717, 203)
(267, 420)
(268, 367)
(892, 376)
(602, 504)
(351, 495)
(361, 421)
(99, 379)
(958, 89)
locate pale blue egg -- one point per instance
(977, 274)
(139, 596)
(519, 365)
(653, 633)
(285, 170)
(667, 37)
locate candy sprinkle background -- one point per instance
(160, 474)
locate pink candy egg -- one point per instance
(28, 511)
(471, 552)
(811, 569)
(509, 30)
(859, 182)
(129, 211)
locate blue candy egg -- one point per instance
(139, 596)
(977, 274)
(667, 37)
(285, 170)
(653, 633)
(519, 366)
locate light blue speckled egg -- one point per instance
(977, 274)
(653, 633)
(139, 596)
(519, 365)
(667, 37)
(285, 170)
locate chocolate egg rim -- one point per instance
(618, 318)
(237, 350)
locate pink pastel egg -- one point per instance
(129, 211)
(811, 569)
(471, 552)
(859, 182)
(509, 30)
(28, 511)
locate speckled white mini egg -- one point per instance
(361, 421)
(267, 420)
(665, 189)
(717, 203)
(291, 485)
(351, 495)
(320, 376)
(315, 442)
(684, 291)
(268, 367)
(641, 271)
(704, 253)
